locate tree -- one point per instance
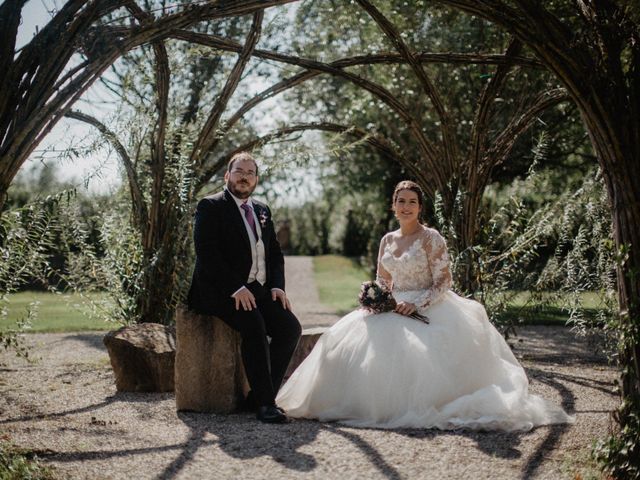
(426, 125)
(593, 48)
(164, 163)
(169, 163)
(44, 78)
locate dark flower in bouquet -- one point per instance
(376, 298)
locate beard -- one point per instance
(241, 189)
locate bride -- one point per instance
(388, 370)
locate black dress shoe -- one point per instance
(271, 414)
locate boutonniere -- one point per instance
(263, 218)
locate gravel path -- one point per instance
(303, 294)
(66, 408)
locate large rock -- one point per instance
(307, 341)
(142, 357)
(209, 375)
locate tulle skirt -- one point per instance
(390, 371)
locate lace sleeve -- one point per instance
(438, 259)
(383, 277)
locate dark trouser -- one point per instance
(265, 363)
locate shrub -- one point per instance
(18, 464)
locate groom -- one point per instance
(239, 277)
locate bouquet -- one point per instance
(377, 298)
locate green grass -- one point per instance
(590, 300)
(339, 278)
(55, 312)
(533, 312)
(19, 464)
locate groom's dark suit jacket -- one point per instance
(223, 254)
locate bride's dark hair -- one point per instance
(408, 185)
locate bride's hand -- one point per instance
(405, 308)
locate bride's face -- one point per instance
(407, 206)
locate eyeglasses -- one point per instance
(242, 173)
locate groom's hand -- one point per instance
(277, 294)
(245, 298)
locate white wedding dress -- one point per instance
(391, 371)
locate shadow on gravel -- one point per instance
(555, 431)
(102, 454)
(505, 444)
(555, 344)
(376, 459)
(124, 397)
(90, 339)
(600, 385)
(243, 437)
(40, 416)
(93, 340)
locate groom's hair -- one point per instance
(242, 156)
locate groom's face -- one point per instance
(242, 180)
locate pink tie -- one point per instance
(249, 216)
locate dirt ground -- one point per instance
(65, 407)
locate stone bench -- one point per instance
(142, 357)
(209, 376)
(307, 341)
